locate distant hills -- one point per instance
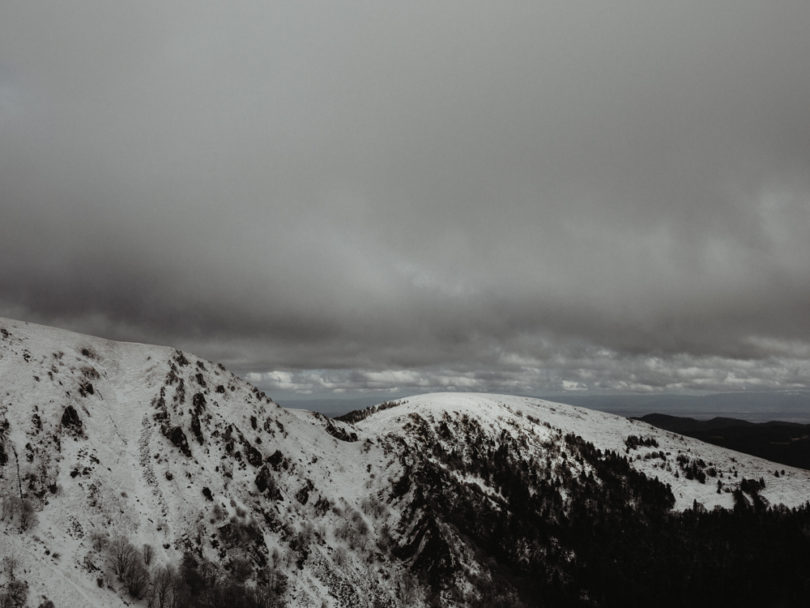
(783, 442)
(754, 406)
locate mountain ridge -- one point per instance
(443, 496)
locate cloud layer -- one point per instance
(486, 196)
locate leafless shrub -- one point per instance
(10, 565)
(241, 568)
(218, 512)
(385, 540)
(408, 590)
(353, 530)
(373, 507)
(99, 541)
(340, 556)
(7, 508)
(20, 511)
(14, 593)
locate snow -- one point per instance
(607, 432)
(122, 476)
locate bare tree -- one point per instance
(148, 552)
(14, 595)
(17, 461)
(19, 509)
(28, 516)
(10, 565)
(162, 591)
(122, 554)
(270, 595)
(127, 564)
(15, 592)
(137, 579)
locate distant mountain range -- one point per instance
(137, 475)
(753, 406)
(783, 442)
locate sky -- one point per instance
(353, 198)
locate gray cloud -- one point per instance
(504, 195)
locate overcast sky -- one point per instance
(349, 196)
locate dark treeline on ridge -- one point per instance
(608, 537)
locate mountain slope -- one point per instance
(442, 497)
(538, 422)
(164, 449)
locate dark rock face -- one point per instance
(340, 433)
(302, 495)
(276, 460)
(71, 420)
(178, 438)
(266, 484)
(196, 428)
(263, 478)
(253, 456)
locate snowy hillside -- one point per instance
(207, 485)
(541, 421)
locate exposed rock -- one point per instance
(266, 484)
(196, 428)
(340, 433)
(252, 455)
(71, 420)
(277, 460)
(178, 438)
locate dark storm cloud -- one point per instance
(480, 195)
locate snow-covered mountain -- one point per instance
(136, 474)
